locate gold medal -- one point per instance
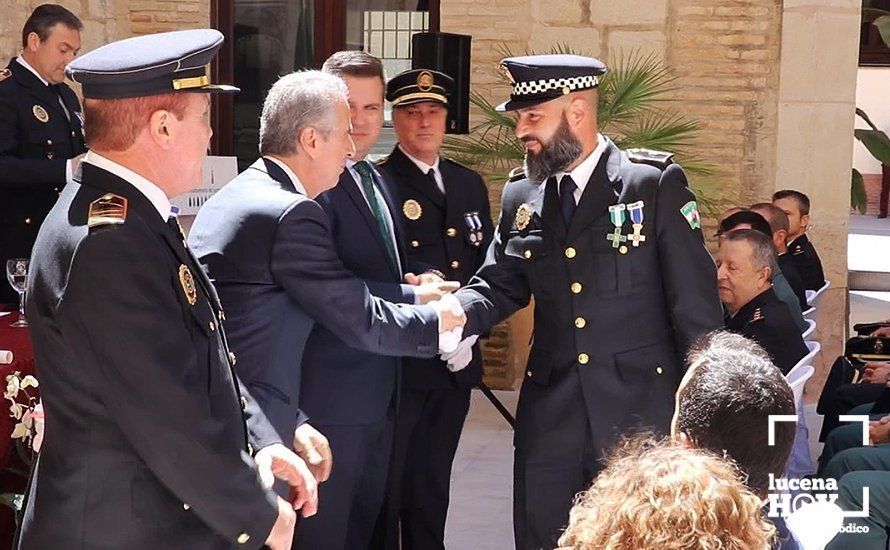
(188, 284)
(412, 210)
(40, 113)
(523, 216)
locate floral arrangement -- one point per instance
(25, 407)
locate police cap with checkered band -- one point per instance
(536, 79)
(153, 64)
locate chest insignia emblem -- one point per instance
(40, 113)
(617, 215)
(412, 210)
(188, 284)
(523, 216)
(690, 212)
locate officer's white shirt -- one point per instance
(69, 177)
(425, 168)
(581, 174)
(152, 192)
(384, 206)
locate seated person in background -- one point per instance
(778, 223)
(747, 219)
(840, 396)
(797, 206)
(723, 405)
(746, 263)
(664, 496)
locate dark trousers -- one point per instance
(844, 398)
(547, 475)
(350, 500)
(428, 428)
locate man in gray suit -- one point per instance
(268, 246)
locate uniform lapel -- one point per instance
(39, 90)
(601, 192)
(391, 204)
(416, 179)
(350, 187)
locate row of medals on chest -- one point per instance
(618, 214)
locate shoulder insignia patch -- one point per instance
(690, 212)
(798, 249)
(109, 209)
(758, 316)
(382, 160)
(658, 159)
(4, 74)
(516, 174)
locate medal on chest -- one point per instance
(635, 210)
(617, 215)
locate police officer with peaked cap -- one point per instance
(447, 219)
(154, 442)
(609, 243)
(41, 134)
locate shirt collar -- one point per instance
(290, 174)
(152, 192)
(424, 167)
(28, 66)
(582, 173)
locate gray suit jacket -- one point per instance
(270, 253)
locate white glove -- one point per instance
(460, 357)
(449, 340)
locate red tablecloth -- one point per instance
(18, 341)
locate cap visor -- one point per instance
(512, 105)
(419, 100)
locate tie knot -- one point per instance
(567, 185)
(363, 169)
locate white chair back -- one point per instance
(811, 327)
(797, 379)
(809, 313)
(815, 348)
(818, 295)
(809, 294)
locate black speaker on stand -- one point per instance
(450, 54)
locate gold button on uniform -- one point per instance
(243, 538)
(212, 326)
(659, 370)
(414, 244)
(527, 254)
(583, 358)
(232, 358)
(185, 507)
(576, 288)
(451, 232)
(529, 374)
(28, 221)
(243, 403)
(580, 322)
(455, 264)
(570, 252)
(623, 249)
(49, 142)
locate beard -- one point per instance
(556, 154)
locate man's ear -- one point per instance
(805, 221)
(308, 140)
(33, 41)
(159, 128)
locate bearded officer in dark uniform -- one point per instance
(154, 442)
(609, 243)
(41, 139)
(447, 220)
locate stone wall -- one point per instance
(105, 20)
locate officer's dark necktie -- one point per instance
(567, 198)
(58, 92)
(364, 171)
(432, 177)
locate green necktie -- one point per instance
(364, 170)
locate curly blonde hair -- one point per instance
(664, 496)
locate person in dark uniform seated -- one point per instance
(724, 403)
(746, 263)
(155, 443)
(41, 135)
(778, 223)
(797, 206)
(271, 251)
(609, 243)
(747, 219)
(445, 210)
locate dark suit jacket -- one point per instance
(33, 154)
(271, 254)
(343, 384)
(139, 393)
(789, 269)
(613, 327)
(442, 238)
(807, 262)
(766, 320)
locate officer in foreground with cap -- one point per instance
(154, 442)
(447, 220)
(609, 243)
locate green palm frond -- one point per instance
(636, 85)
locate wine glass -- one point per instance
(17, 275)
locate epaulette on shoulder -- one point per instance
(517, 174)
(658, 159)
(4, 74)
(798, 250)
(109, 209)
(758, 316)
